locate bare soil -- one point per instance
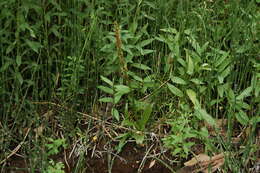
(129, 160)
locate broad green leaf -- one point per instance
(117, 98)
(106, 89)
(146, 51)
(192, 96)
(197, 81)
(106, 99)
(145, 42)
(122, 89)
(205, 116)
(135, 76)
(175, 90)
(141, 66)
(242, 118)
(115, 113)
(109, 82)
(161, 38)
(178, 80)
(182, 62)
(245, 93)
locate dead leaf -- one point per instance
(152, 163)
(195, 160)
(48, 114)
(38, 131)
(202, 162)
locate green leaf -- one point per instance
(5, 66)
(132, 74)
(242, 118)
(109, 82)
(18, 60)
(19, 77)
(127, 122)
(35, 46)
(190, 68)
(115, 113)
(230, 94)
(220, 60)
(255, 120)
(175, 90)
(106, 89)
(182, 62)
(141, 66)
(170, 30)
(197, 81)
(192, 96)
(242, 105)
(146, 51)
(139, 138)
(178, 80)
(106, 99)
(224, 74)
(145, 42)
(122, 141)
(220, 90)
(205, 116)
(244, 93)
(117, 98)
(122, 89)
(11, 47)
(145, 116)
(224, 65)
(176, 151)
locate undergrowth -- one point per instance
(142, 69)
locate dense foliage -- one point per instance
(137, 64)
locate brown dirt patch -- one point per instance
(127, 161)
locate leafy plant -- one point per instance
(54, 148)
(181, 132)
(54, 145)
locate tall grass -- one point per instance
(192, 60)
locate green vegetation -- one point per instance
(73, 73)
